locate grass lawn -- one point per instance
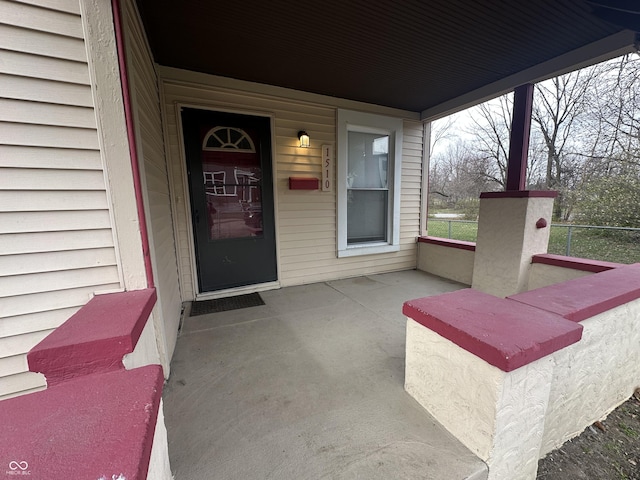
(621, 247)
(460, 230)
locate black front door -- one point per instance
(231, 191)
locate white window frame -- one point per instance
(347, 121)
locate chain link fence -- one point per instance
(611, 244)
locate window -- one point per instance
(369, 166)
(228, 138)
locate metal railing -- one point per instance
(613, 244)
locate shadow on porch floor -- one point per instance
(308, 386)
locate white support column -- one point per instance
(102, 55)
(100, 39)
(424, 190)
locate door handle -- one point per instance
(196, 216)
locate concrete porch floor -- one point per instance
(308, 386)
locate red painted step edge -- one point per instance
(95, 338)
(585, 297)
(502, 332)
(93, 427)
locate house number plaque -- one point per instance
(327, 168)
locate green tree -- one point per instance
(611, 201)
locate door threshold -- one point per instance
(231, 292)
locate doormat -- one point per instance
(225, 304)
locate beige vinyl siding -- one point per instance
(40, 16)
(67, 6)
(56, 240)
(306, 220)
(143, 84)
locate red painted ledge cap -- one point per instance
(447, 242)
(95, 338)
(502, 332)
(574, 263)
(521, 194)
(585, 297)
(93, 427)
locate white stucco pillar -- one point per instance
(497, 415)
(512, 227)
(482, 366)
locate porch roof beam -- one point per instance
(605, 49)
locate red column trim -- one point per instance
(519, 143)
(521, 194)
(131, 136)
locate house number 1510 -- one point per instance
(327, 168)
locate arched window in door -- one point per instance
(228, 139)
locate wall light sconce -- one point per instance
(304, 139)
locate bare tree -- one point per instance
(442, 130)
(492, 129)
(558, 106)
(585, 130)
(453, 177)
(615, 113)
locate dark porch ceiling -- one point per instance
(408, 54)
